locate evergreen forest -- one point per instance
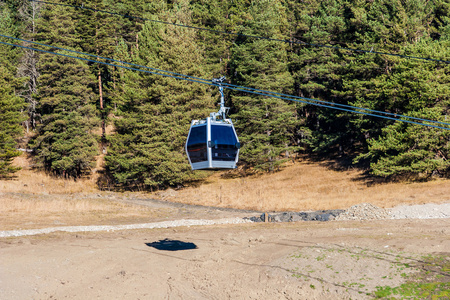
(73, 110)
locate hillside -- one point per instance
(297, 260)
(34, 199)
(309, 185)
(363, 79)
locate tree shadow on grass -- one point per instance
(172, 245)
(343, 163)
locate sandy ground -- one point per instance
(302, 260)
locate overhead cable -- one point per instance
(241, 88)
(236, 87)
(296, 41)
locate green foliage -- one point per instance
(151, 114)
(428, 282)
(10, 119)
(11, 106)
(65, 144)
(7, 27)
(416, 90)
(365, 80)
(410, 149)
(317, 71)
(266, 125)
(98, 32)
(433, 290)
(155, 112)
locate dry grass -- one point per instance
(34, 199)
(74, 207)
(37, 210)
(25, 211)
(309, 186)
(29, 181)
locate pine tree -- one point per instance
(65, 143)
(421, 91)
(11, 106)
(413, 88)
(152, 114)
(349, 77)
(411, 150)
(11, 116)
(128, 21)
(220, 16)
(147, 149)
(266, 126)
(8, 26)
(316, 68)
(382, 26)
(97, 33)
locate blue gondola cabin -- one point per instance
(212, 144)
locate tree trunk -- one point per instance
(100, 91)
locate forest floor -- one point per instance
(296, 260)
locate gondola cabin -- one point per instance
(212, 144)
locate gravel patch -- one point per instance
(165, 224)
(367, 211)
(363, 211)
(424, 211)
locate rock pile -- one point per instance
(364, 211)
(360, 212)
(321, 215)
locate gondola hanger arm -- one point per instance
(222, 110)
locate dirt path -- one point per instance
(302, 260)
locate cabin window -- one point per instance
(225, 143)
(196, 144)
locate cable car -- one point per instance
(212, 143)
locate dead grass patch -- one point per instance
(38, 213)
(31, 181)
(309, 186)
(35, 199)
(26, 211)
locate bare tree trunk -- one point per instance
(100, 91)
(28, 65)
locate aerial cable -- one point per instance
(184, 77)
(295, 41)
(100, 57)
(353, 111)
(267, 93)
(237, 88)
(244, 89)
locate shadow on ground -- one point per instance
(172, 245)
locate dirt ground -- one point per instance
(301, 260)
